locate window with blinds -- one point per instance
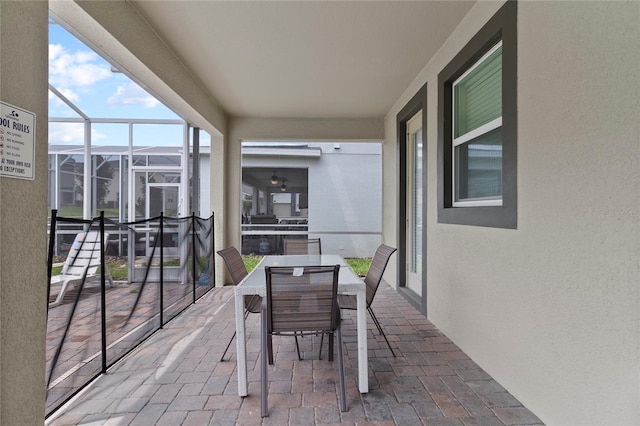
(477, 134)
(478, 127)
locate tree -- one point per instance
(103, 175)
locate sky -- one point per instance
(87, 80)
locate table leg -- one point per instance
(241, 346)
(363, 365)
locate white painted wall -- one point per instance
(282, 129)
(551, 309)
(345, 199)
(205, 195)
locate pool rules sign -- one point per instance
(17, 142)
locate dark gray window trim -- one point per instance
(502, 26)
(417, 103)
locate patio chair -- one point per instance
(310, 246)
(372, 281)
(302, 246)
(237, 271)
(82, 263)
(300, 300)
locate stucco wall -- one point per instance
(282, 129)
(551, 309)
(344, 195)
(23, 219)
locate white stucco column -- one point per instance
(23, 220)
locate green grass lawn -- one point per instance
(117, 266)
(119, 270)
(359, 265)
(250, 261)
(76, 211)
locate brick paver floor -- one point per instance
(175, 377)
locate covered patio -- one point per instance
(175, 377)
(534, 275)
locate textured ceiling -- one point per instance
(325, 59)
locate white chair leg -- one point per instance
(58, 300)
(265, 365)
(343, 394)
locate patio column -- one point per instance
(23, 219)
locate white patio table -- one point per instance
(255, 283)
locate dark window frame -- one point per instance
(417, 103)
(502, 26)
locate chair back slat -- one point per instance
(235, 265)
(84, 256)
(237, 271)
(376, 270)
(302, 298)
(311, 246)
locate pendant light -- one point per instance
(283, 188)
(274, 178)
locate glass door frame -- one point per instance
(149, 186)
(417, 104)
(169, 251)
(414, 208)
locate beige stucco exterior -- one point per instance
(551, 309)
(23, 221)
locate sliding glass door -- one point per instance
(414, 200)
